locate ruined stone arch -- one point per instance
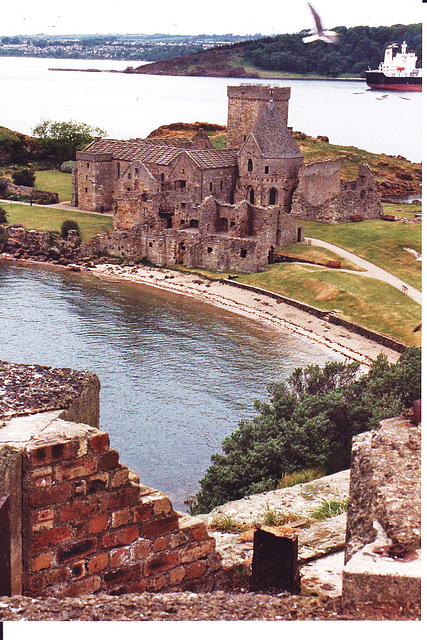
(250, 194)
(250, 165)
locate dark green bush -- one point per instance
(25, 177)
(67, 226)
(309, 422)
(3, 216)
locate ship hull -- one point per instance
(378, 80)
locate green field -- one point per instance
(378, 241)
(368, 302)
(56, 181)
(42, 218)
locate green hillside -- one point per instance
(287, 56)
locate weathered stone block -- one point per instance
(100, 442)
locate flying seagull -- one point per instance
(319, 33)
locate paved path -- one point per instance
(370, 270)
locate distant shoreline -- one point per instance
(132, 71)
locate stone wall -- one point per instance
(321, 194)
(36, 195)
(383, 546)
(42, 246)
(82, 521)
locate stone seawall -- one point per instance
(325, 315)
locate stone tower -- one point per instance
(245, 105)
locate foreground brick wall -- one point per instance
(88, 527)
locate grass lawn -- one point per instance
(378, 241)
(368, 302)
(49, 219)
(56, 181)
(319, 255)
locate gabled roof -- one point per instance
(213, 158)
(153, 152)
(273, 137)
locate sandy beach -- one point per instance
(253, 305)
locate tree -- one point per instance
(60, 140)
(309, 423)
(67, 226)
(25, 177)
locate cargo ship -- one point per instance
(397, 73)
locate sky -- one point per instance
(192, 17)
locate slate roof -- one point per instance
(273, 136)
(150, 152)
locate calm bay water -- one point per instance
(129, 106)
(176, 375)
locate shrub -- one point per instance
(67, 226)
(309, 423)
(3, 216)
(25, 177)
(67, 167)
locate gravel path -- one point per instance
(371, 271)
(219, 605)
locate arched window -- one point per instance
(252, 196)
(273, 196)
(250, 165)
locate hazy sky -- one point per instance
(194, 16)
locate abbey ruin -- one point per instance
(180, 201)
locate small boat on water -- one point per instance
(397, 73)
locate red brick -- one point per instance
(79, 529)
(78, 570)
(156, 583)
(51, 537)
(79, 549)
(109, 460)
(43, 519)
(77, 468)
(177, 575)
(157, 528)
(78, 509)
(130, 573)
(100, 442)
(91, 584)
(142, 512)
(140, 549)
(161, 562)
(126, 535)
(198, 532)
(33, 583)
(42, 561)
(140, 586)
(98, 523)
(195, 570)
(52, 451)
(97, 563)
(120, 498)
(42, 497)
(120, 477)
(190, 554)
(41, 476)
(120, 518)
(160, 544)
(119, 557)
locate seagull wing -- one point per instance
(316, 19)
